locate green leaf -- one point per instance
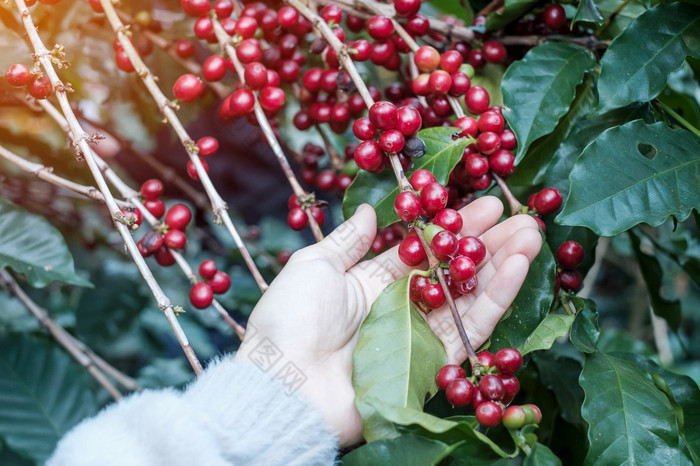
(541, 455)
(451, 430)
(512, 10)
(631, 421)
(585, 331)
(614, 187)
(530, 306)
(380, 190)
(538, 90)
(33, 247)
(395, 361)
(560, 375)
(620, 13)
(552, 327)
(43, 393)
(633, 73)
(408, 449)
(651, 270)
(685, 392)
(587, 12)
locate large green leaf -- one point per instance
(685, 393)
(552, 327)
(538, 90)
(614, 187)
(619, 13)
(631, 421)
(395, 361)
(530, 306)
(33, 247)
(651, 270)
(408, 450)
(637, 63)
(560, 375)
(43, 393)
(380, 190)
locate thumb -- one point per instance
(348, 243)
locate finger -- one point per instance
(481, 215)
(348, 243)
(495, 237)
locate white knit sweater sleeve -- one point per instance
(232, 414)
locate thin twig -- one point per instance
(82, 148)
(46, 173)
(513, 203)
(59, 333)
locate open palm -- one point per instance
(313, 310)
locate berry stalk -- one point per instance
(43, 56)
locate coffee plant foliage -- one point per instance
(606, 110)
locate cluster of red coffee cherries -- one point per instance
(297, 218)
(326, 180)
(398, 127)
(569, 256)
(37, 83)
(214, 281)
(544, 202)
(171, 237)
(490, 391)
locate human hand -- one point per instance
(313, 310)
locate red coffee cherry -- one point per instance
(151, 189)
(175, 239)
(420, 178)
(491, 387)
(508, 360)
(40, 87)
(548, 201)
(508, 140)
(488, 414)
(368, 156)
(207, 146)
(406, 8)
(570, 254)
(494, 51)
(460, 392)
(287, 17)
(433, 196)
(491, 121)
(469, 127)
(488, 142)
(450, 61)
(570, 280)
(486, 359)
(220, 282)
(462, 269)
(383, 115)
(391, 141)
(555, 17)
(207, 269)
(18, 75)
(155, 206)
(408, 121)
(460, 84)
(201, 295)
(477, 100)
(411, 251)
(297, 219)
(214, 68)
(407, 206)
(440, 82)
(512, 386)
(472, 247)
(178, 217)
(426, 58)
(184, 48)
(450, 220)
(418, 282)
(332, 14)
(272, 98)
(164, 257)
(502, 163)
(363, 129)
(433, 296)
(449, 373)
(255, 75)
(187, 88)
(444, 245)
(380, 27)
